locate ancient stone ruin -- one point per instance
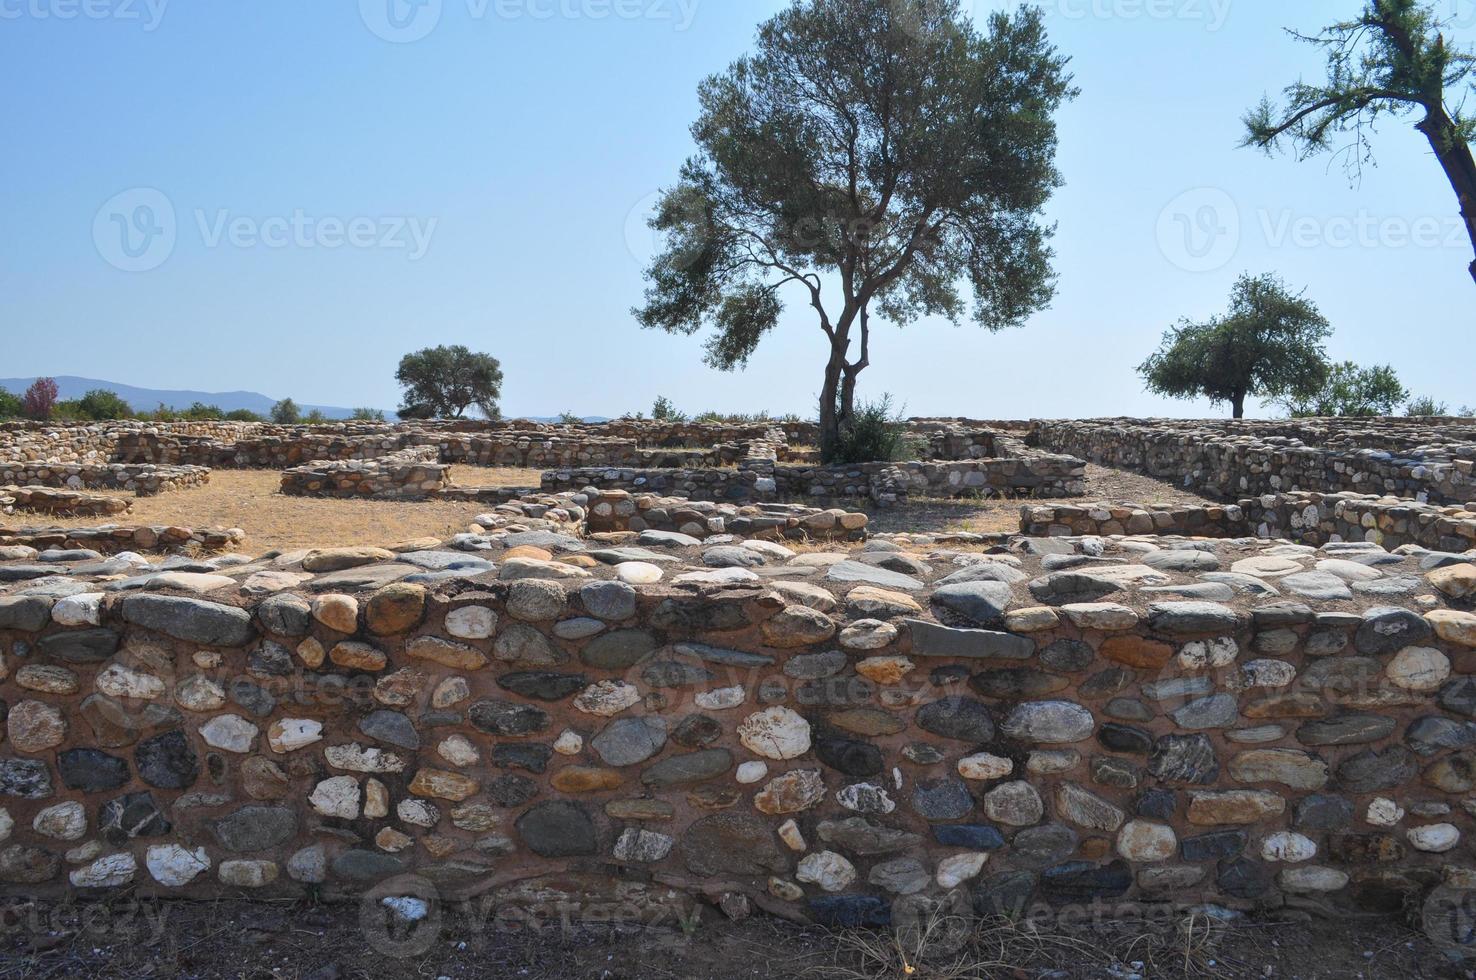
(711, 682)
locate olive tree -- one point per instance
(1392, 60)
(869, 156)
(443, 382)
(1269, 345)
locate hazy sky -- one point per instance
(311, 189)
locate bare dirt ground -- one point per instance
(249, 499)
(302, 941)
(1003, 516)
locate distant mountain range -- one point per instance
(148, 399)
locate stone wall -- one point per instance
(45, 500)
(619, 511)
(1002, 728)
(1308, 518)
(144, 480)
(110, 539)
(1232, 460)
(408, 474)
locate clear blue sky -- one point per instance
(524, 140)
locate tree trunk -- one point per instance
(1237, 402)
(830, 419)
(1455, 158)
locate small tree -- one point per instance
(664, 411)
(446, 381)
(1393, 60)
(40, 399)
(10, 406)
(315, 417)
(242, 415)
(101, 404)
(368, 415)
(286, 412)
(1427, 408)
(1269, 345)
(872, 156)
(1352, 392)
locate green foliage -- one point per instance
(315, 417)
(286, 412)
(242, 415)
(664, 411)
(1352, 392)
(368, 415)
(570, 418)
(10, 405)
(101, 404)
(887, 146)
(1426, 407)
(1269, 345)
(874, 434)
(446, 381)
(1393, 60)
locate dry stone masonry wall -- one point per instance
(825, 735)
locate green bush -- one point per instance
(874, 434)
(10, 405)
(100, 404)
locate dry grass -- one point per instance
(249, 499)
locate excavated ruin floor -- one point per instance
(316, 942)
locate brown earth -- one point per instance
(240, 939)
(249, 499)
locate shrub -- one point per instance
(100, 404)
(40, 399)
(286, 412)
(873, 434)
(368, 415)
(10, 406)
(664, 411)
(242, 415)
(1427, 407)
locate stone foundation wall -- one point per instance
(619, 511)
(144, 480)
(110, 539)
(45, 500)
(1235, 460)
(409, 474)
(1308, 518)
(821, 757)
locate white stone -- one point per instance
(337, 796)
(638, 573)
(309, 865)
(828, 870)
(722, 699)
(793, 838)
(985, 766)
(122, 682)
(569, 743)
(1205, 654)
(229, 732)
(471, 623)
(716, 576)
(174, 866)
(865, 798)
(459, 751)
(407, 908)
(199, 693)
(1289, 847)
(1312, 879)
(1383, 812)
(78, 610)
(1142, 840)
(1419, 669)
(290, 734)
(954, 871)
(752, 772)
(1268, 673)
(355, 758)
(64, 821)
(1435, 838)
(775, 733)
(83, 853)
(106, 872)
(418, 813)
(608, 698)
(1101, 615)
(247, 874)
(7, 824)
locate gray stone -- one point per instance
(613, 602)
(932, 640)
(855, 571)
(558, 829)
(1192, 618)
(958, 718)
(390, 727)
(692, 767)
(1049, 722)
(1389, 630)
(972, 603)
(1215, 711)
(630, 741)
(192, 620)
(942, 800)
(255, 828)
